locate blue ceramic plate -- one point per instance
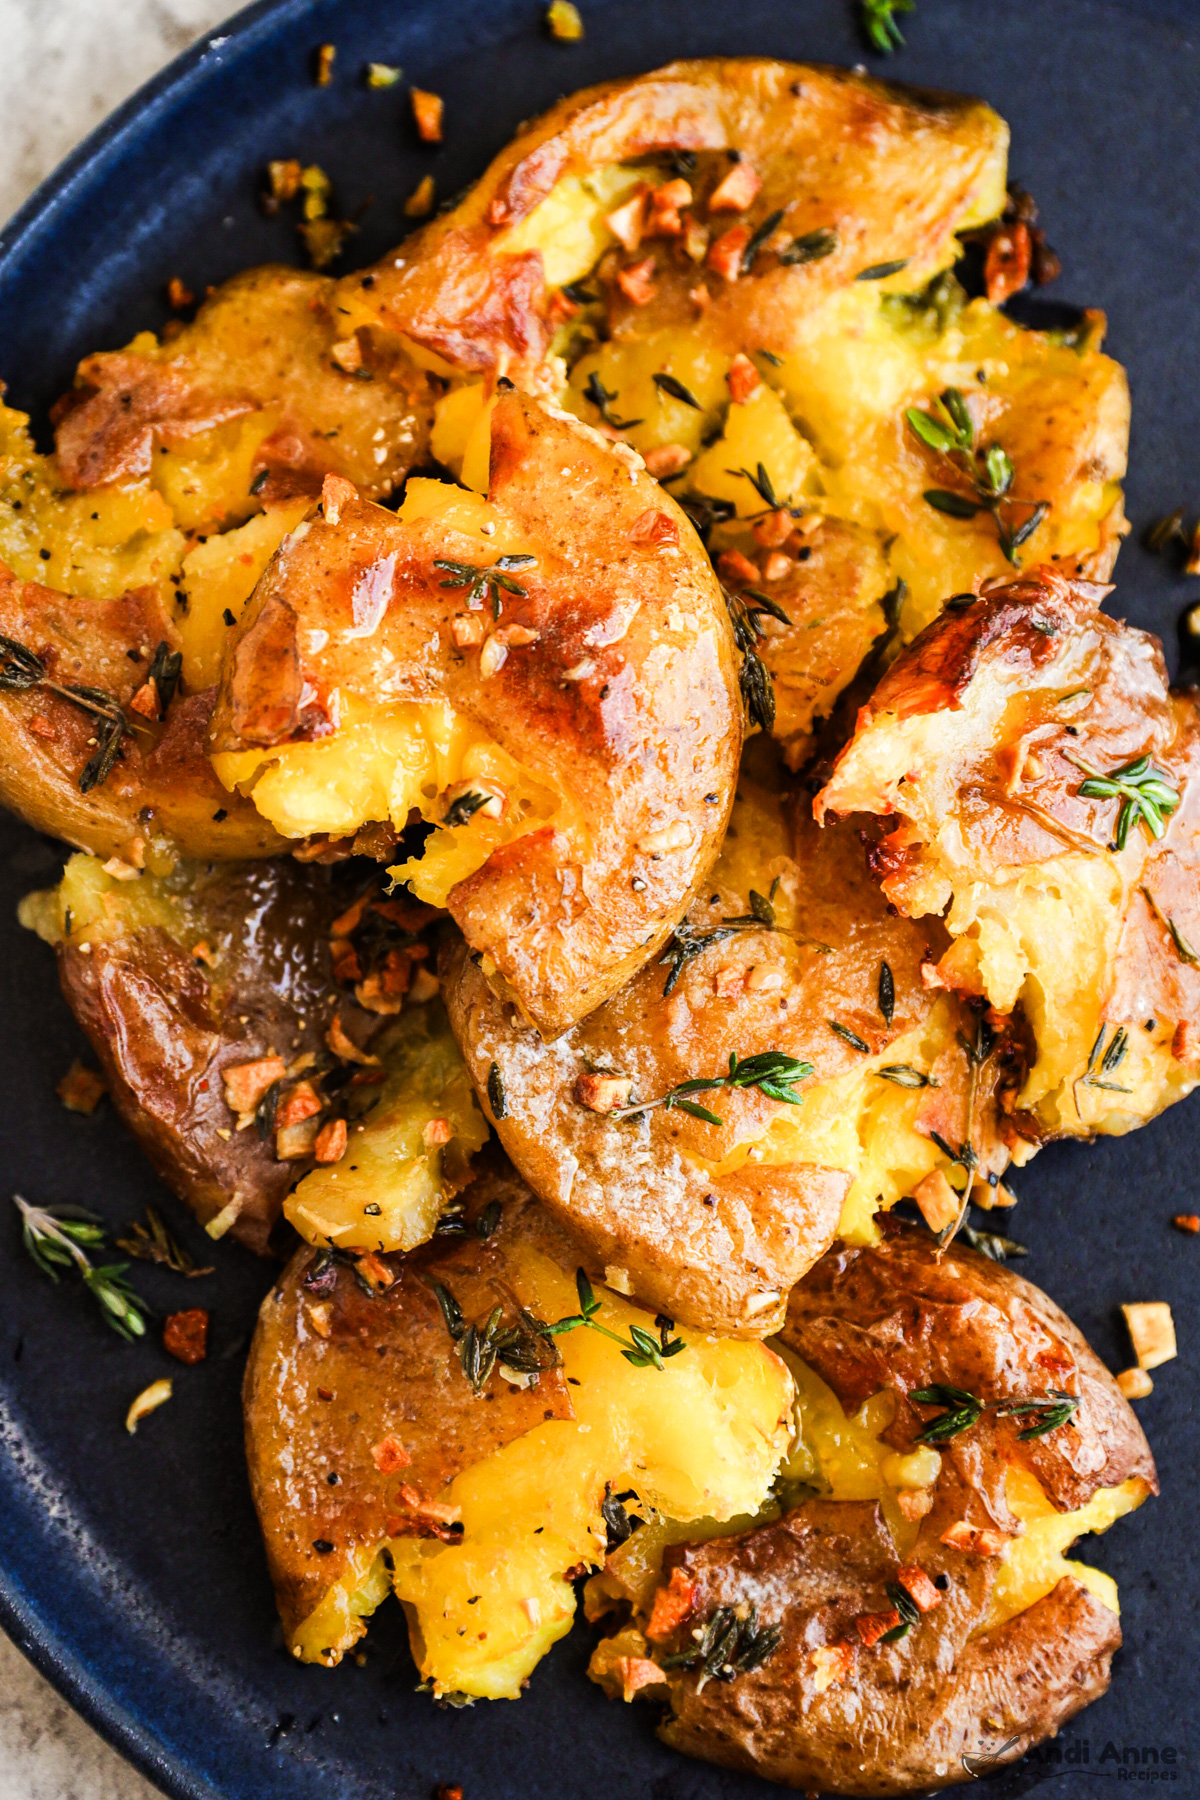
(130, 1568)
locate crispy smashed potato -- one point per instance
(160, 790)
(547, 675)
(759, 329)
(997, 744)
(264, 393)
(255, 1025)
(918, 1610)
(786, 952)
(893, 174)
(478, 1502)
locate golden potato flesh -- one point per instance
(257, 399)
(547, 675)
(954, 1548)
(893, 173)
(786, 951)
(996, 742)
(210, 995)
(377, 1463)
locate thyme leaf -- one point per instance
(479, 582)
(1144, 792)
(991, 1244)
(761, 482)
(963, 1410)
(668, 384)
(60, 1238)
(462, 810)
(849, 1037)
(154, 1243)
(758, 692)
(729, 1646)
(812, 247)
(903, 1075)
(497, 1098)
(887, 993)
(772, 1072)
(1183, 949)
(688, 941)
(879, 23)
(602, 399)
(949, 431)
(21, 669)
(880, 271)
(758, 238)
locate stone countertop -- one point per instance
(66, 64)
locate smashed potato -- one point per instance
(1043, 788)
(245, 1018)
(903, 1606)
(264, 393)
(546, 675)
(478, 1501)
(714, 1221)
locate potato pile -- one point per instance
(596, 769)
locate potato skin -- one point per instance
(636, 720)
(703, 1242)
(317, 1401)
(980, 737)
(894, 171)
(907, 1712)
(164, 1027)
(261, 343)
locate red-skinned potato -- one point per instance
(270, 1035)
(411, 1425)
(996, 744)
(161, 786)
(1005, 1641)
(785, 951)
(547, 675)
(892, 172)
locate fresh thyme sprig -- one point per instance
(1143, 791)
(21, 669)
(879, 23)
(1100, 1066)
(951, 433)
(1183, 949)
(479, 582)
(602, 399)
(153, 1242)
(60, 1238)
(526, 1346)
(463, 810)
(962, 1410)
(758, 691)
(688, 941)
(992, 1245)
(730, 1646)
(772, 1072)
(641, 1348)
(762, 484)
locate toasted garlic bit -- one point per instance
(738, 190)
(1187, 1222)
(831, 1664)
(743, 378)
(420, 202)
(344, 1048)
(937, 1201)
(563, 21)
(155, 1395)
(220, 1223)
(774, 529)
(492, 657)
(435, 1133)
(760, 1303)
(81, 1090)
(120, 870)
(389, 1455)
(347, 354)
(666, 460)
(603, 1093)
(975, 1540)
(676, 836)
(1135, 1384)
(424, 987)
(318, 1317)
(1152, 1332)
(247, 1083)
(427, 113)
(331, 1141)
(618, 1279)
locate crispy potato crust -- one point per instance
(162, 783)
(893, 171)
(164, 1025)
(825, 1711)
(333, 1373)
(618, 691)
(701, 1229)
(979, 742)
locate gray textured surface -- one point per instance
(67, 63)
